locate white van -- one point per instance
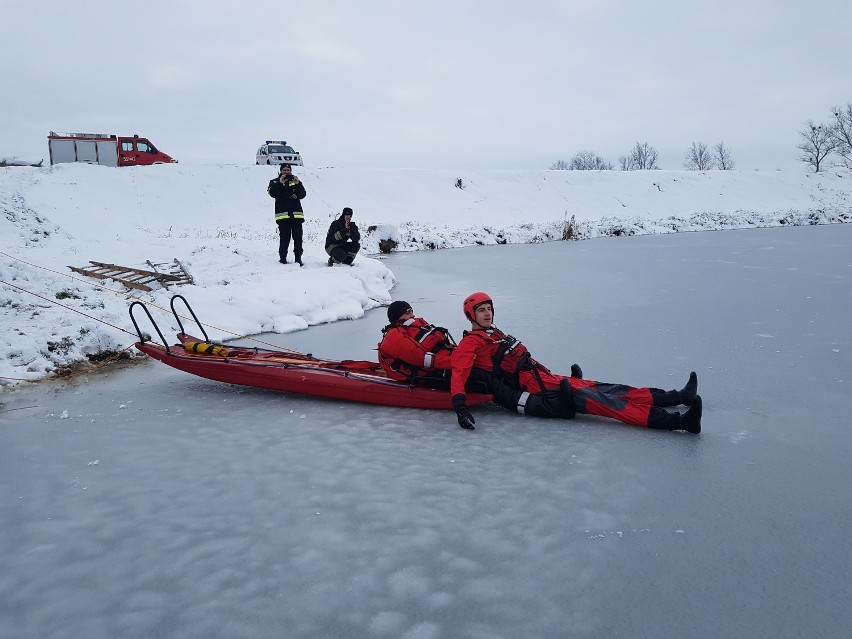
(277, 152)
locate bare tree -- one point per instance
(817, 143)
(643, 157)
(722, 155)
(698, 158)
(588, 161)
(841, 134)
(583, 161)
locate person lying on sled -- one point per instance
(485, 347)
(413, 350)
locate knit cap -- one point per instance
(396, 310)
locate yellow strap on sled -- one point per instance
(204, 347)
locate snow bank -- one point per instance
(217, 220)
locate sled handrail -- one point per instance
(142, 338)
(191, 312)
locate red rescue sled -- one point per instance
(347, 380)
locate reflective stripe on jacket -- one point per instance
(339, 235)
(288, 198)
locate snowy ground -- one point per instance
(217, 220)
(147, 503)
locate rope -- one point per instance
(127, 296)
(69, 374)
(47, 299)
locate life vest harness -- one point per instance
(415, 375)
(511, 356)
(431, 339)
(406, 370)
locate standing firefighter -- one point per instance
(288, 192)
(488, 348)
(341, 241)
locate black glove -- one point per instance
(464, 415)
(576, 371)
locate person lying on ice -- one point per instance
(413, 350)
(486, 347)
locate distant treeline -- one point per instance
(819, 145)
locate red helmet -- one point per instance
(472, 301)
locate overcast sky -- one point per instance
(438, 84)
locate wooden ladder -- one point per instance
(135, 277)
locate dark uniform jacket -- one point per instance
(339, 235)
(288, 198)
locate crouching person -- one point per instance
(342, 239)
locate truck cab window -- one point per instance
(127, 146)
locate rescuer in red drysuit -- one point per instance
(411, 348)
(487, 347)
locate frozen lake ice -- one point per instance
(145, 502)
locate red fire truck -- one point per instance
(101, 148)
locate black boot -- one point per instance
(566, 406)
(660, 419)
(692, 419)
(689, 392)
(576, 371)
(665, 398)
(674, 397)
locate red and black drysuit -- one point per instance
(503, 356)
(414, 350)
